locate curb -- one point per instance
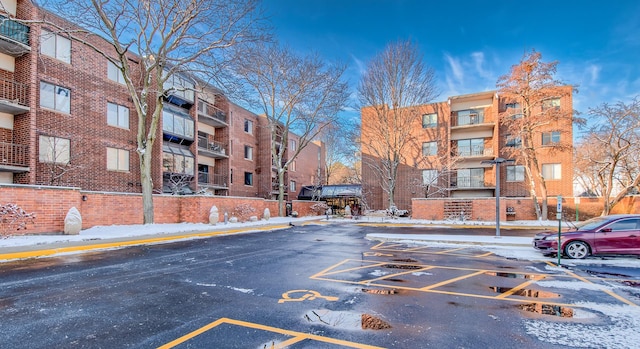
(85, 246)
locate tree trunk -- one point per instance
(147, 187)
(281, 203)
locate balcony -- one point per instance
(469, 183)
(470, 119)
(211, 115)
(212, 180)
(13, 97)
(13, 158)
(475, 152)
(211, 149)
(14, 37)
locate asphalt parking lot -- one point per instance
(314, 286)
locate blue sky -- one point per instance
(471, 43)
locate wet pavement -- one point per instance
(315, 286)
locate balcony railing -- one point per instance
(467, 182)
(13, 154)
(468, 118)
(210, 111)
(13, 30)
(13, 91)
(210, 179)
(474, 151)
(211, 146)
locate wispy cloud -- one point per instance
(455, 67)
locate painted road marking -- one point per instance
(333, 273)
(395, 247)
(376, 254)
(121, 244)
(297, 336)
(609, 292)
(308, 295)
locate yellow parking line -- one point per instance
(110, 245)
(396, 274)
(521, 286)
(298, 336)
(452, 280)
(448, 251)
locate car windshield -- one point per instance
(591, 223)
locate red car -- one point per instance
(615, 234)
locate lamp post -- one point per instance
(497, 162)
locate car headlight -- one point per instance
(550, 237)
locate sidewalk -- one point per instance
(118, 236)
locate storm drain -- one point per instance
(547, 309)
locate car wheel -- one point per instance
(576, 250)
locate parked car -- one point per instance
(614, 234)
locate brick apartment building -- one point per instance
(66, 119)
(455, 142)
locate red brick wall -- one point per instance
(484, 209)
(237, 163)
(51, 205)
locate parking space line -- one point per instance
(521, 286)
(609, 292)
(449, 251)
(396, 274)
(354, 268)
(297, 336)
(452, 280)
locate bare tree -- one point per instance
(299, 95)
(587, 168)
(613, 150)
(170, 37)
(532, 85)
(57, 159)
(395, 81)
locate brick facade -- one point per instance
(217, 145)
(467, 135)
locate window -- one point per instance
(180, 87)
(429, 148)
(513, 141)
(292, 186)
(292, 166)
(429, 120)
(248, 178)
(515, 110)
(551, 171)
(248, 126)
(231, 176)
(56, 46)
(292, 145)
(177, 160)
(177, 122)
(117, 115)
(471, 147)
(54, 150)
(549, 138)
(117, 159)
(515, 173)
(248, 152)
(551, 103)
(114, 73)
(626, 224)
(55, 97)
(429, 177)
(470, 117)
(470, 178)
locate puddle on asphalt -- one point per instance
(547, 309)
(401, 266)
(395, 280)
(525, 292)
(346, 320)
(380, 291)
(511, 275)
(407, 260)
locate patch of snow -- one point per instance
(378, 272)
(620, 331)
(573, 285)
